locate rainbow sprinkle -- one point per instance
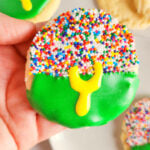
(81, 37)
(137, 122)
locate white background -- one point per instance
(104, 137)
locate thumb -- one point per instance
(13, 31)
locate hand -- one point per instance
(20, 126)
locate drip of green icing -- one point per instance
(141, 147)
(14, 8)
(54, 98)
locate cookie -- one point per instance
(135, 14)
(32, 10)
(136, 126)
(143, 7)
(82, 69)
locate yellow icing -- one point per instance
(85, 88)
(27, 4)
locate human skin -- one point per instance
(20, 126)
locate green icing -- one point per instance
(141, 147)
(54, 98)
(14, 8)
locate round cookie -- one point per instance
(32, 10)
(136, 126)
(133, 13)
(82, 69)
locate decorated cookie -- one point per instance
(82, 69)
(33, 10)
(134, 13)
(136, 126)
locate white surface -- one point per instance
(104, 137)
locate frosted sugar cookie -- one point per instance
(82, 69)
(136, 126)
(33, 10)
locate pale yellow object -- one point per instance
(143, 7)
(26, 4)
(128, 12)
(85, 88)
(28, 77)
(47, 12)
(124, 138)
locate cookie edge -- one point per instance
(47, 11)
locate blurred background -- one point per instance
(104, 137)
